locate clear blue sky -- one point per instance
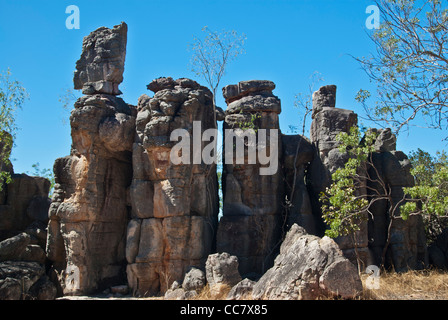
(286, 42)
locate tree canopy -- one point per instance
(410, 65)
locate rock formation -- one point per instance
(308, 267)
(298, 153)
(242, 290)
(438, 251)
(24, 204)
(407, 240)
(252, 213)
(222, 268)
(89, 211)
(407, 248)
(174, 206)
(24, 207)
(136, 200)
(101, 66)
(328, 122)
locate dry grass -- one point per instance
(217, 292)
(411, 285)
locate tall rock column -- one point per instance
(407, 247)
(174, 205)
(252, 213)
(328, 122)
(89, 211)
(298, 152)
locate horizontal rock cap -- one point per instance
(243, 88)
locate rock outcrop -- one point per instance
(89, 210)
(137, 199)
(438, 251)
(242, 290)
(407, 248)
(222, 268)
(328, 122)
(298, 153)
(24, 207)
(308, 267)
(174, 205)
(101, 66)
(407, 240)
(252, 208)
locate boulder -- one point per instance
(222, 268)
(308, 267)
(17, 278)
(12, 248)
(242, 290)
(177, 292)
(194, 280)
(22, 202)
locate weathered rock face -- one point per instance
(438, 251)
(222, 268)
(306, 268)
(24, 207)
(24, 204)
(252, 214)
(407, 247)
(174, 206)
(242, 290)
(101, 66)
(407, 242)
(328, 122)
(298, 152)
(89, 210)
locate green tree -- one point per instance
(410, 64)
(213, 53)
(304, 101)
(344, 204)
(430, 190)
(12, 98)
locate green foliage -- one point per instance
(304, 102)
(430, 191)
(212, 54)
(249, 124)
(67, 98)
(410, 64)
(12, 97)
(343, 207)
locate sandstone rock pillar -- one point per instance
(252, 215)
(328, 122)
(174, 205)
(407, 248)
(89, 210)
